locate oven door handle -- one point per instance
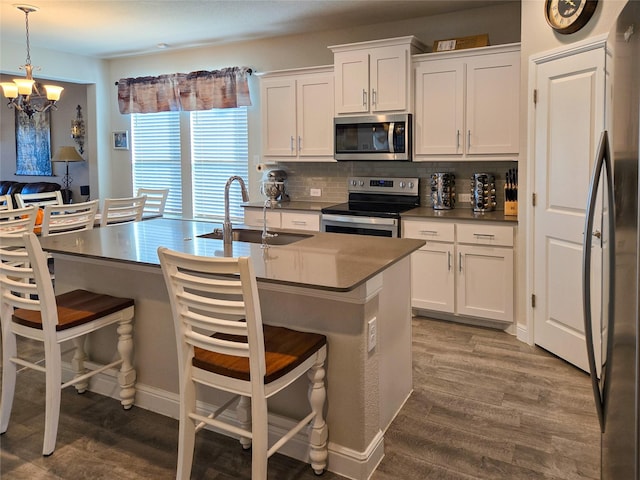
(358, 219)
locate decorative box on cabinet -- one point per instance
(375, 76)
(297, 114)
(467, 104)
(464, 269)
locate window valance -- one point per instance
(200, 90)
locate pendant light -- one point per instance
(19, 91)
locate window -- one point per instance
(155, 145)
(219, 149)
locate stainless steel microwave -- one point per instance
(373, 137)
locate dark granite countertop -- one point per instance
(429, 213)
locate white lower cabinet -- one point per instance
(464, 269)
(286, 219)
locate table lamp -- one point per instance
(67, 154)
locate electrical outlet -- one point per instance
(464, 197)
(316, 192)
(372, 334)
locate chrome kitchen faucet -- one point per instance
(227, 228)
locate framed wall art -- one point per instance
(33, 144)
(121, 140)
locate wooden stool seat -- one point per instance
(75, 308)
(284, 350)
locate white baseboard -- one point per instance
(342, 461)
(523, 334)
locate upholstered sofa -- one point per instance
(10, 187)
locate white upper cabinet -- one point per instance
(375, 77)
(297, 114)
(467, 104)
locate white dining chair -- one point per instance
(6, 202)
(156, 200)
(18, 220)
(60, 219)
(29, 308)
(39, 199)
(223, 344)
(121, 210)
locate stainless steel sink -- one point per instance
(255, 236)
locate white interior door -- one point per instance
(569, 118)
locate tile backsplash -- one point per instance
(331, 178)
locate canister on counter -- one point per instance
(443, 191)
(483, 192)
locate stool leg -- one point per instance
(243, 414)
(9, 371)
(77, 363)
(53, 376)
(186, 427)
(260, 443)
(127, 374)
(319, 433)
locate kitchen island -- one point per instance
(354, 289)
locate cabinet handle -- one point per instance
(292, 145)
(299, 222)
(364, 97)
(449, 260)
(489, 236)
(373, 97)
(429, 232)
(460, 262)
(457, 139)
(468, 139)
(299, 143)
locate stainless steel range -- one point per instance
(374, 206)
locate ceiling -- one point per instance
(115, 28)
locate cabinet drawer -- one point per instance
(253, 218)
(481, 234)
(300, 221)
(434, 231)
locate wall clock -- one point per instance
(569, 16)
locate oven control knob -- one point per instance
(361, 183)
(411, 185)
(402, 184)
(354, 183)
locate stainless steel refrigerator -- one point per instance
(614, 194)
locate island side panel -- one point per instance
(352, 373)
(394, 341)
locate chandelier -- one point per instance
(19, 91)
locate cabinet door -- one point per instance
(278, 97)
(315, 116)
(492, 114)
(485, 282)
(439, 117)
(352, 82)
(432, 277)
(388, 79)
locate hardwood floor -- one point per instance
(485, 406)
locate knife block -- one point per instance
(511, 207)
